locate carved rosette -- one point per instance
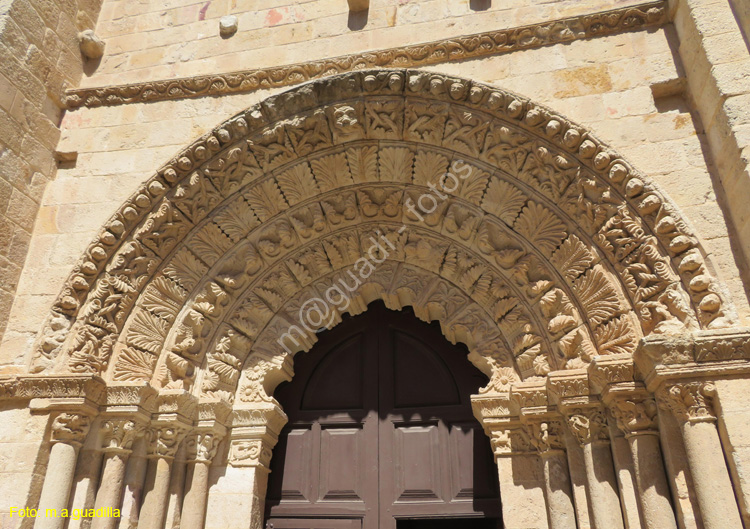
(691, 401)
(118, 435)
(70, 428)
(202, 446)
(635, 416)
(588, 425)
(547, 436)
(163, 441)
(250, 453)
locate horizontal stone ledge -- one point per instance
(603, 23)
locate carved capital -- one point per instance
(690, 401)
(164, 440)
(70, 428)
(250, 453)
(588, 425)
(202, 446)
(636, 415)
(547, 435)
(118, 434)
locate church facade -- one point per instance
(374, 264)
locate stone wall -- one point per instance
(605, 84)
(152, 40)
(39, 59)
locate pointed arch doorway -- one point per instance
(381, 433)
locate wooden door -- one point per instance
(381, 433)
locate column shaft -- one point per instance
(196, 497)
(601, 479)
(560, 509)
(57, 484)
(651, 479)
(713, 486)
(132, 498)
(110, 489)
(156, 492)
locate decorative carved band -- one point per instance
(460, 48)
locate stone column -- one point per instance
(135, 476)
(117, 441)
(589, 426)
(548, 438)
(164, 440)
(201, 449)
(176, 495)
(69, 430)
(636, 417)
(691, 403)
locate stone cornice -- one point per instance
(475, 46)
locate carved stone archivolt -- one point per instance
(522, 234)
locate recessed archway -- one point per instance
(558, 249)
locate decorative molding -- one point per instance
(499, 42)
(59, 386)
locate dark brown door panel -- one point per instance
(381, 433)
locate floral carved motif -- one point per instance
(691, 401)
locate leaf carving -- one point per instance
(186, 269)
(134, 365)
(396, 164)
(503, 200)
(164, 298)
(236, 219)
(616, 337)
(541, 227)
(331, 171)
(297, 183)
(429, 167)
(147, 331)
(572, 258)
(363, 163)
(266, 199)
(598, 297)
